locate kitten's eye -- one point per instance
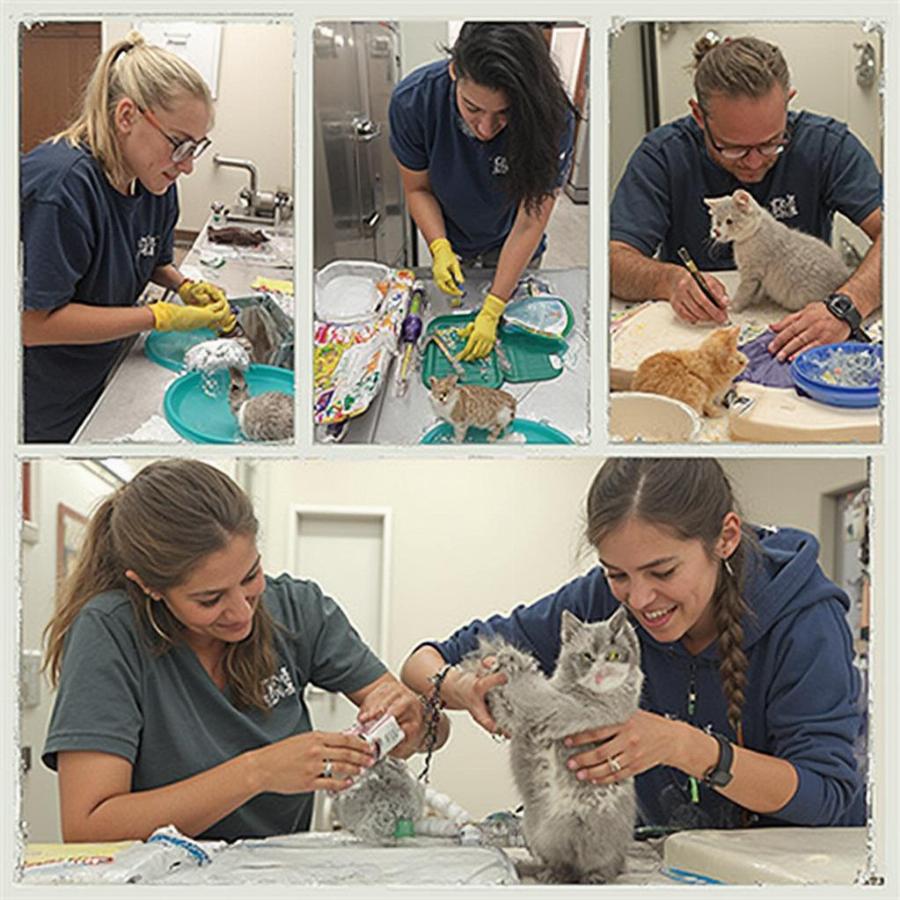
(587, 657)
(728, 221)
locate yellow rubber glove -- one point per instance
(482, 333)
(199, 293)
(173, 317)
(445, 268)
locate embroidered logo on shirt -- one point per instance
(278, 686)
(146, 245)
(499, 165)
(784, 207)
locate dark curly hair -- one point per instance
(513, 57)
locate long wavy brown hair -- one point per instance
(690, 497)
(161, 524)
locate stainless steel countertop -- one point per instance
(135, 391)
(562, 402)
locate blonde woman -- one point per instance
(99, 207)
(181, 669)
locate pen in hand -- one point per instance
(691, 266)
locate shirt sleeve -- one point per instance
(853, 184)
(640, 215)
(331, 651)
(535, 628)
(57, 251)
(98, 705)
(813, 716)
(407, 138)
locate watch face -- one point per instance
(841, 304)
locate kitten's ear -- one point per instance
(712, 202)
(432, 381)
(568, 625)
(453, 380)
(742, 199)
(618, 620)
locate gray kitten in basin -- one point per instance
(787, 266)
(576, 831)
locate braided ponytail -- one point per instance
(691, 497)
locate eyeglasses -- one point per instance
(181, 150)
(769, 148)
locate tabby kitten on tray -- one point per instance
(575, 830)
(774, 261)
(467, 406)
(701, 378)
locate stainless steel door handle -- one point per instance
(366, 130)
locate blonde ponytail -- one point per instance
(151, 76)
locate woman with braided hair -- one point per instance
(749, 706)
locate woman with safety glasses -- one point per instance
(800, 166)
(98, 215)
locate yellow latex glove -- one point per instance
(173, 317)
(199, 293)
(445, 268)
(482, 332)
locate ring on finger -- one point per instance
(328, 769)
(614, 765)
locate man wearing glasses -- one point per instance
(800, 166)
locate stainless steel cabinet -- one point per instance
(359, 208)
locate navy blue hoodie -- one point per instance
(801, 701)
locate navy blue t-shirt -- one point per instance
(82, 242)
(659, 201)
(427, 132)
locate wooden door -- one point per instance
(57, 60)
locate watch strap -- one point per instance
(720, 774)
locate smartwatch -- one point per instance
(719, 775)
(842, 307)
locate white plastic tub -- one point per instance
(635, 416)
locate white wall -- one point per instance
(254, 116)
(470, 537)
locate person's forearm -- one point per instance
(633, 276)
(79, 323)
(427, 214)
(422, 666)
(516, 253)
(192, 805)
(864, 285)
(760, 783)
(167, 277)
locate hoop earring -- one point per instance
(148, 608)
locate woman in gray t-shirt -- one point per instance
(181, 668)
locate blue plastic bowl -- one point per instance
(533, 432)
(209, 420)
(167, 348)
(808, 368)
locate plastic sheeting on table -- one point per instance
(338, 859)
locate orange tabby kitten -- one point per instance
(700, 377)
(468, 405)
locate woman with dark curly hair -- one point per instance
(483, 141)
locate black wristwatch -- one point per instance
(842, 307)
(720, 774)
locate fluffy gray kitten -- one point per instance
(265, 417)
(383, 794)
(577, 832)
(787, 266)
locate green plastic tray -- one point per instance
(533, 432)
(530, 358)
